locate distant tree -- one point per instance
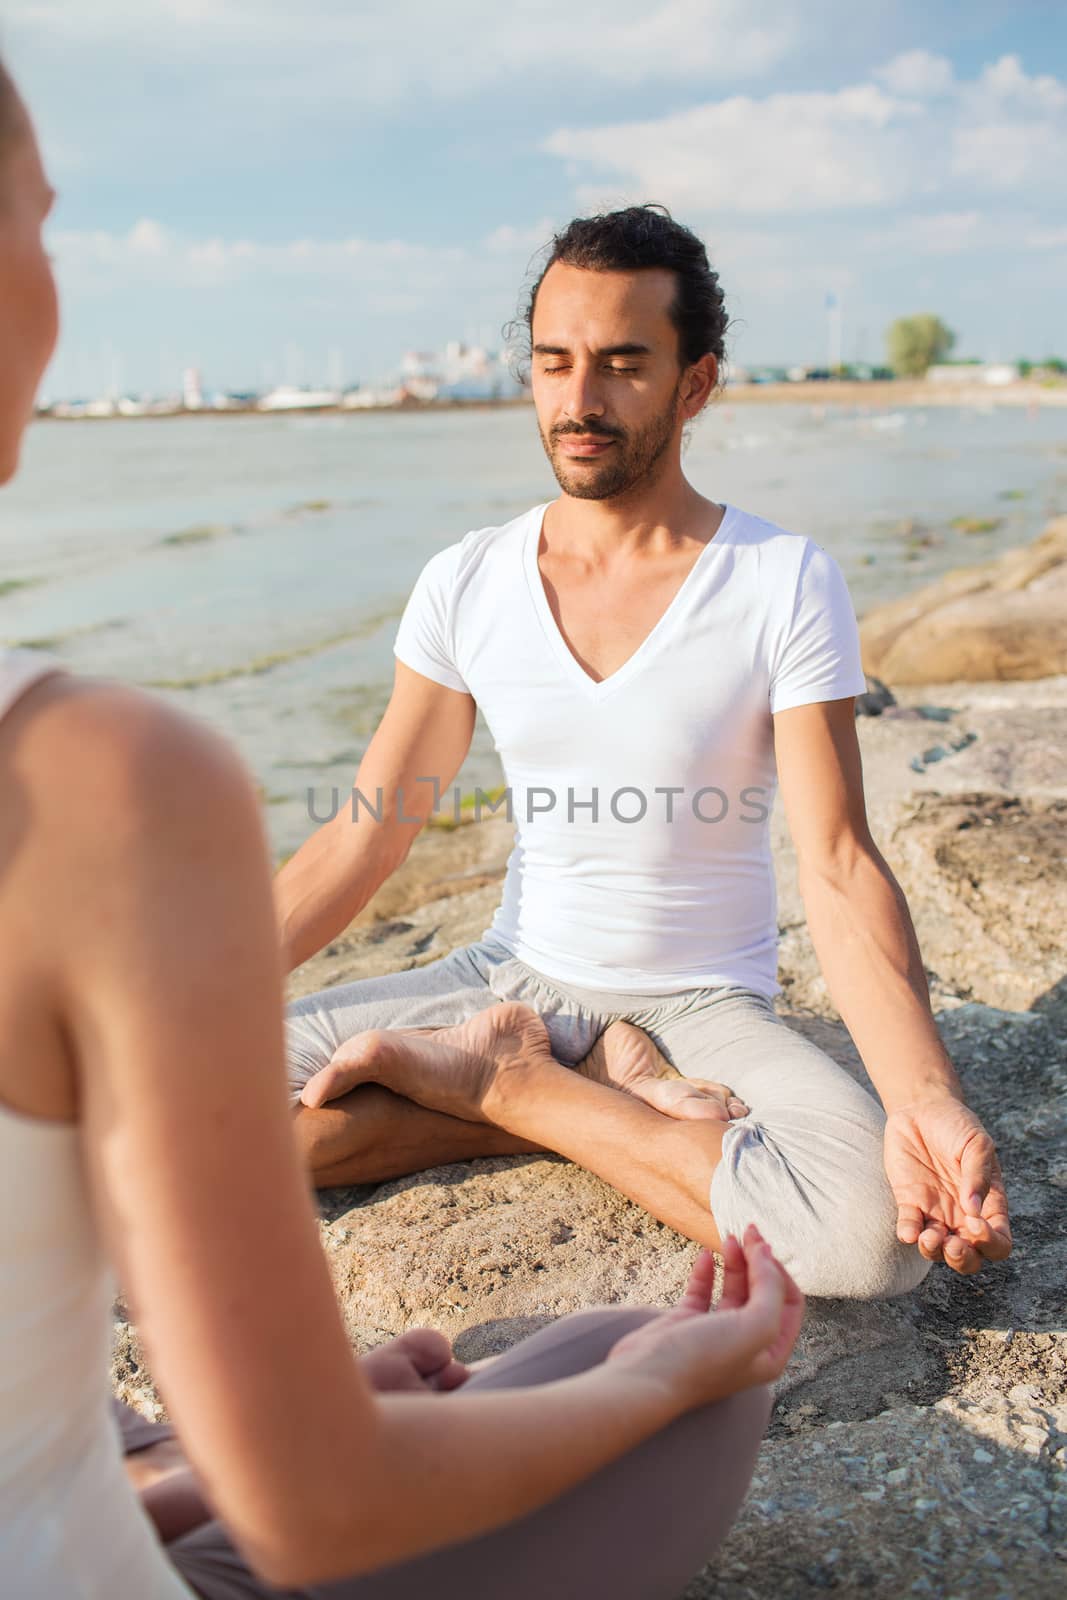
(1055, 364)
(915, 343)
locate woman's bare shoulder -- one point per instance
(95, 755)
(121, 807)
(115, 809)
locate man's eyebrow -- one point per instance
(608, 350)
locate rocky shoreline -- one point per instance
(917, 1447)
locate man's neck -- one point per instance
(652, 520)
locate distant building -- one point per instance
(419, 364)
(192, 394)
(992, 372)
(371, 399)
(421, 389)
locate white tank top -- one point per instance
(71, 1528)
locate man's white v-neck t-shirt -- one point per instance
(642, 860)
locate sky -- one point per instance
(279, 192)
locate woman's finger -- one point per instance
(762, 1312)
(451, 1377)
(696, 1296)
(735, 1275)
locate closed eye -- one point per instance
(554, 371)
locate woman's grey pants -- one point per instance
(805, 1165)
(637, 1530)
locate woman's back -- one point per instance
(69, 1523)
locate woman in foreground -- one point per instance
(144, 1129)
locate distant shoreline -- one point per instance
(877, 394)
(894, 392)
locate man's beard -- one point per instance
(632, 458)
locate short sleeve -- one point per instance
(424, 637)
(819, 657)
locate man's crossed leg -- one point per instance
(484, 1068)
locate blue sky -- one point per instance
(248, 185)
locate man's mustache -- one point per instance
(573, 430)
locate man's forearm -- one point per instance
(328, 882)
(865, 941)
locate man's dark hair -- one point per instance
(631, 240)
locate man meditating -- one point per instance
(651, 665)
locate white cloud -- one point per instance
(230, 304)
(148, 252)
(1006, 81)
(1010, 130)
(148, 238)
(1006, 155)
(942, 233)
(1046, 239)
(360, 278)
(917, 73)
(855, 149)
(508, 240)
(367, 52)
(786, 153)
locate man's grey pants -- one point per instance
(805, 1165)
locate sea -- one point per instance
(252, 569)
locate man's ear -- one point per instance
(699, 385)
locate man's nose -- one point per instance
(583, 400)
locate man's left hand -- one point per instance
(943, 1169)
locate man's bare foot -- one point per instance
(626, 1058)
(445, 1069)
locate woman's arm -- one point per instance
(168, 988)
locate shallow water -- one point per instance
(253, 569)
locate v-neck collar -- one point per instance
(633, 663)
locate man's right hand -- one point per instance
(702, 1354)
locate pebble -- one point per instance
(983, 1457)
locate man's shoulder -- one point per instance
(500, 537)
(778, 555)
(746, 528)
(482, 551)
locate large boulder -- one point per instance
(967, 801)
(1004, 619)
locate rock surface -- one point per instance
(917, 1446)
(1004, 619)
